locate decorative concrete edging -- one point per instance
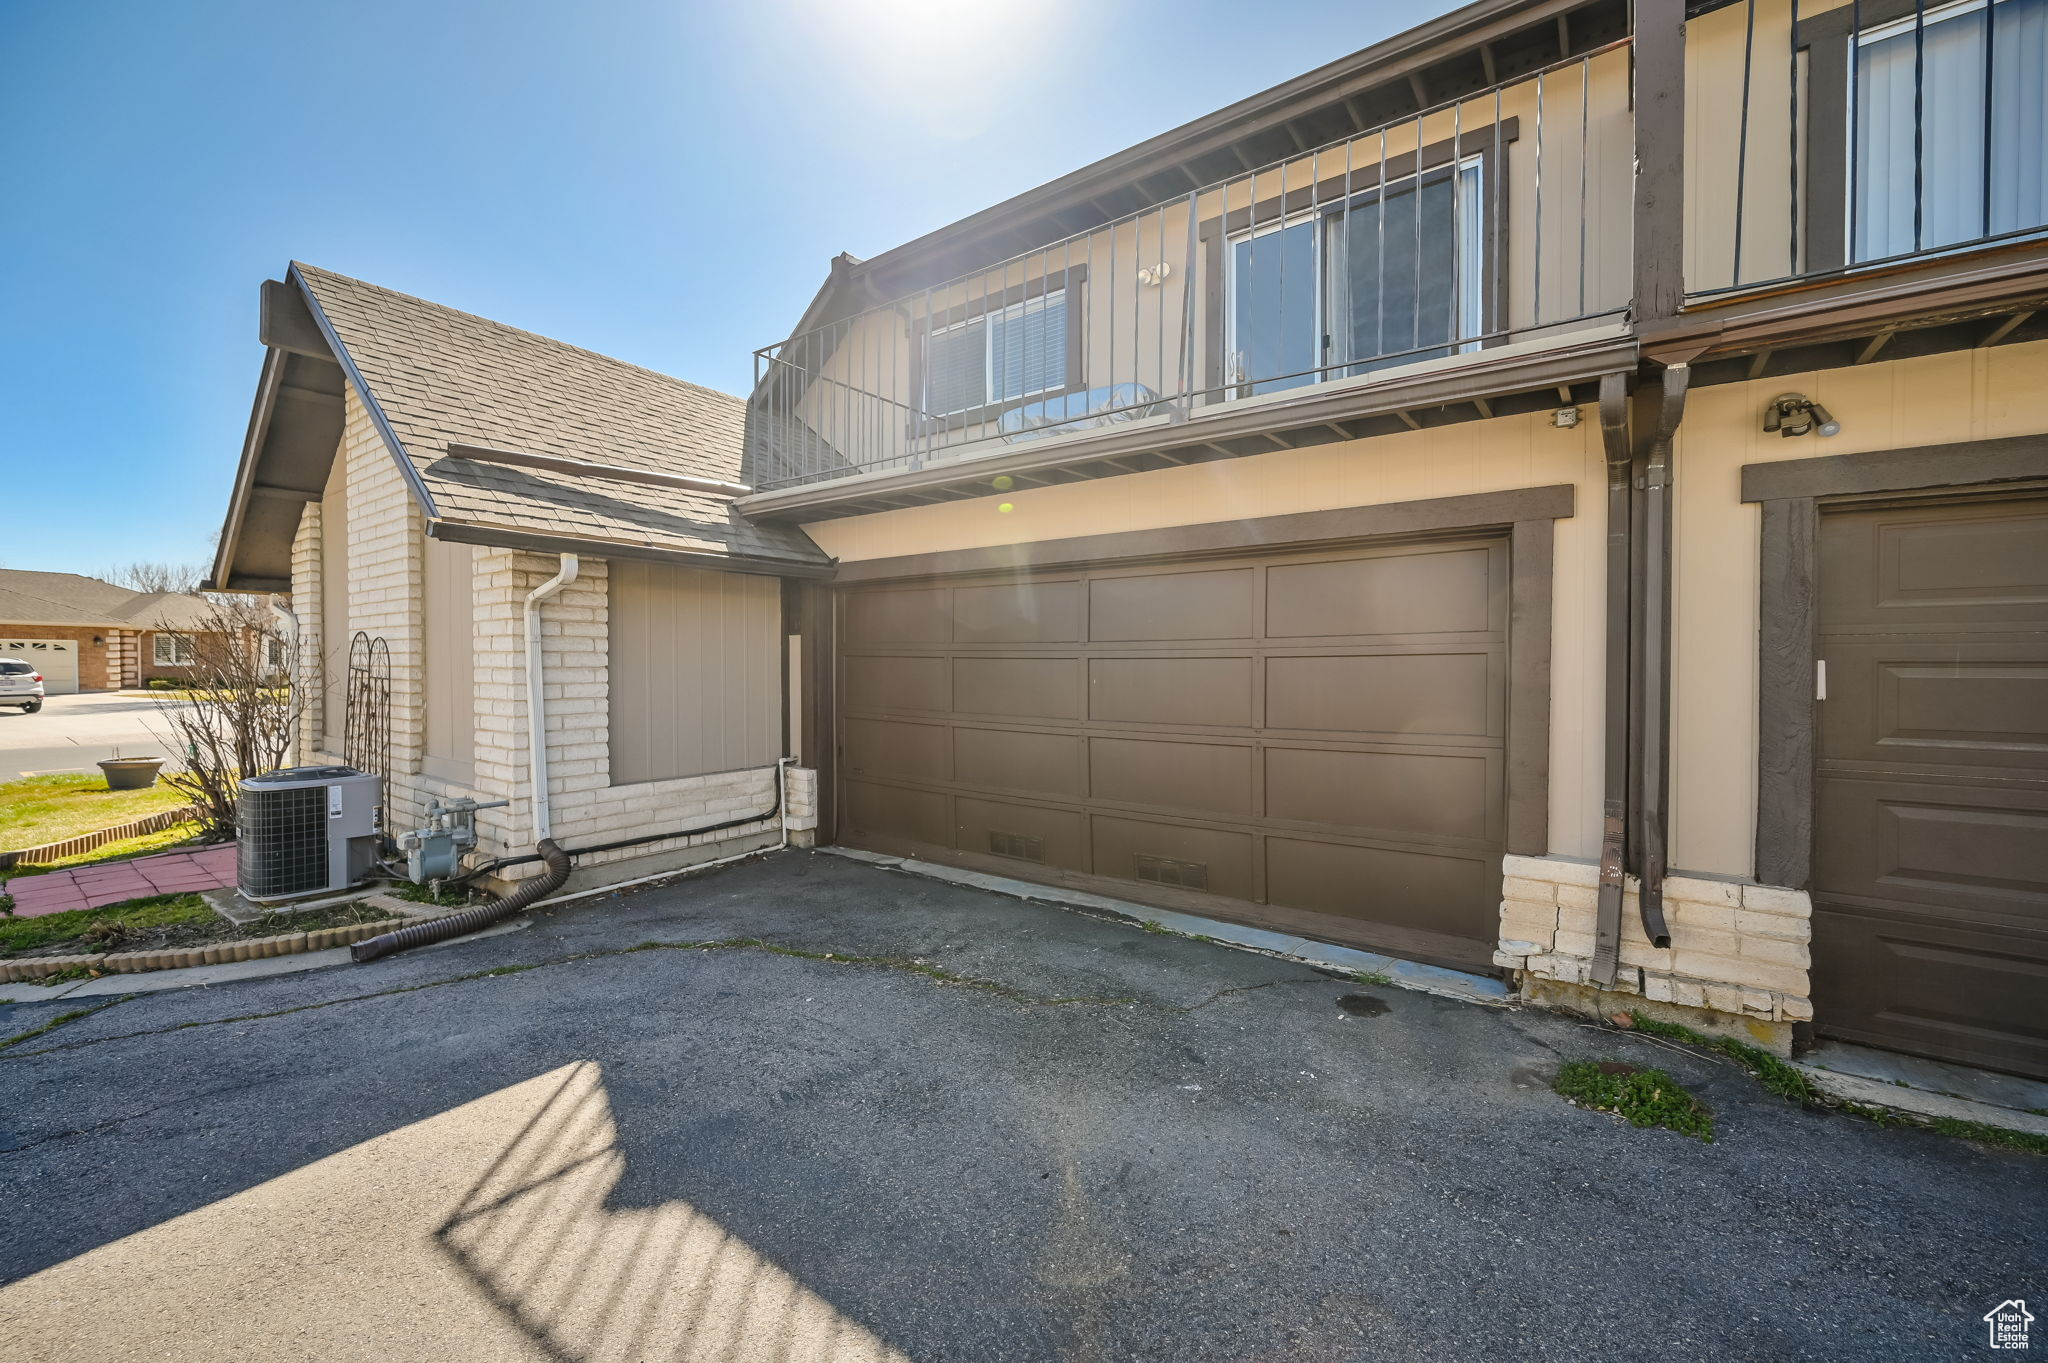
(220, 953)
(86, 842)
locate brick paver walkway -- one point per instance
(88, 887)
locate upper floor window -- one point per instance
(1951, 143)
(175, 650)
(999, 356)
(1376, 279)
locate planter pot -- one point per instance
(131, 773)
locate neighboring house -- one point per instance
(413, 474)
(87, 635)
(1521, 497)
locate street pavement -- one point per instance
(71, 733)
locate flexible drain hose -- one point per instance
(472, 920)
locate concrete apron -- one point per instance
(1429, 979)
(1852, 1073)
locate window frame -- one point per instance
(918, 330)
(181, 643)
(1486, 143)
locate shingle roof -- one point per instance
(32, 598)
(443, 377)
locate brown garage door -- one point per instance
(1308, 741)
(1931, 839)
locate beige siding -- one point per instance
(450, 629)
(696, 674)
(334, 624)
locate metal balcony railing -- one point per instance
(1865, 135)
(1501, 216)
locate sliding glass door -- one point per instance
(1372, 281)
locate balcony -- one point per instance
(1881, 157)
(1478, 237)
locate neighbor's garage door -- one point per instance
(56, 659)
(1930, 882)
(1310, 741)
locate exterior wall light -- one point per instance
(1793, 414)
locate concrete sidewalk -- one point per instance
(807, 1108)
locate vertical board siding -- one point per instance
(696, 671)
(449, 597)
(334, 631)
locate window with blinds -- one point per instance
(998, 357)
(1952, 126)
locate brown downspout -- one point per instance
(1620, 456)
(1653, 644)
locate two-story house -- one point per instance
(1562, 492)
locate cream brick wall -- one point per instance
(386, 585)
(1736, 948)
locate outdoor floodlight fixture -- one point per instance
(1793, 414)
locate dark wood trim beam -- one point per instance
(1660, 159)
(1473, 511)
(1962, 464)
(1787, 620)
(1531, 561)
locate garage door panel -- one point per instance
(1171, 691)
(1175, 855)
(1038, 763)
(1936, 700)
(1313, 741)
(883, 684)
(1443, 592)
(1431, 795)
(1201, 778)
(1045, 688)
(1959, 846)
(1439, 693)
(1893, 979)
(1191, 606)
(56, 659)
(1939, 566)
(913, 752)
(1032, 833)
(1930, 849)
(1018, 613)
(1401, 889)
(875, 810)
(899, 616)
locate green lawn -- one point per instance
(43, 809)
(149, 844)
(171, 920)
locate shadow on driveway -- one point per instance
(1080, 1141)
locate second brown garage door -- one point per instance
(1310, 741)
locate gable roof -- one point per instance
(503, 436)
(32, 598)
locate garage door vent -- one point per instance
(1184, 875)
(1016, 845)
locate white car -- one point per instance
(21, 684)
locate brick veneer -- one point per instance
(385, 594)
(1736, 949)
(94, 673)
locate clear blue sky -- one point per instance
(656, 180)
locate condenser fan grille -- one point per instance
(283, 836)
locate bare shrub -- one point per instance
(238, 716)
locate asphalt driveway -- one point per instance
(1020, 1134)
(71, 733)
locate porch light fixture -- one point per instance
(1793, 414)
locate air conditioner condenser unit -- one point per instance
(306, 830)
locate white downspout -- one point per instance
(536, 707)
(288, 620)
